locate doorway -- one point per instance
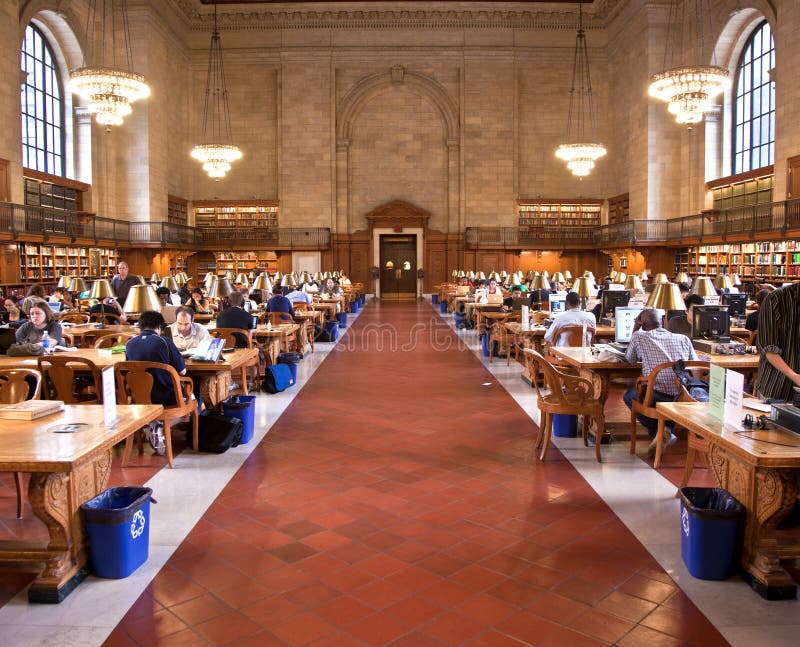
(398, 263)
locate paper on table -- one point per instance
(756, 405)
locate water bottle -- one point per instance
(46, 342)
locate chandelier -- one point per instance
(217, 151)
(582, 149)
(109, 89)
(688, 85)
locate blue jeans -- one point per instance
(651, 424)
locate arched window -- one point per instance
(754, 111)
(42, 106)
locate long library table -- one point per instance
(67, 469)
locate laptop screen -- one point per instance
(518, 302)
(55, 306)
(558, 303)
(624, 319)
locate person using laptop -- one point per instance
(681, 323)
(185, 333)
(280, 303)
(109, 306)
(198, 303)
(234, 316)
(508, 302)
(572, 316)
(653, 345)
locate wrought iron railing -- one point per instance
(290, 238)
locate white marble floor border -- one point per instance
(96, 606)
(645, 502)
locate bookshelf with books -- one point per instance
(768, 261)
(53, 191)
(682, 260)
(177, 210)
(550, 212)
(619, 209)
(744, 189)
(46, 263)
(257, 214)
(244, 261)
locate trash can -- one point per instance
(709, 530)
(458, 318)
(565, 425)
(485, 345)
(117, 522)
(242, 407)
(341, 318)
(443, 307)
(434, 299)
(333, 329)
(291, 360)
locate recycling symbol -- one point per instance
(685, 521)
(137, 524)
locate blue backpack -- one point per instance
(277, 378)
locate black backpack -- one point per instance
(216, 433)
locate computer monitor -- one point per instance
(558, 303)
(610, 300)
(737, 304)
(518, 302)
(624, 318)
(710, 322)
(255, 321)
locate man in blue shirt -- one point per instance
(150, 346)
(279, 303)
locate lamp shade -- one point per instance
(77, 285)
(181, 278)
(278, 276)
(481, 276)
(63, 281)
(209, 280)
(666, 296)
(142, 298)
(318, 275)
(220, 289)
(643, 276)
(567, 275)
(155, 277)
(170, 283)
(229, 276)
(621, 278)
(660, 278)
(613, 274)
(546, 274)
(633, 283)
(540, 283)
(286, 281)
(736, 280)
(558, 277)
(584, 287)
(703, 286)
(723, 282)
(101, 289)
(241, 278)
(262, 282)
(682, 277)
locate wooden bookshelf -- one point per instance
(551, 212)
(742, 190)
(177, 210)
(258, 214)
(53, 191)
(244, 261)
(619, 209)
(772, 261)
(45, 262)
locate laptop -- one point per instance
(168, 312)
(558, 303)
(624, 319)
(55, 306)
(494, 299)
(518, 302)
(209, 351)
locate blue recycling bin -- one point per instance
(333, 329)
(243, 407)
(458, 318)
(291, 360)
(434, 299)
(443, 307)
(485, 345)
(709, 529)
(565, 425)
(117, 523)
(341, 318)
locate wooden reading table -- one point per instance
(67, 469)
(760, 469)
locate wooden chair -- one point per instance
(505, 339)
(69, 340)
(134, 386)
(573, 335)
(234, 337)
(74, 318)
(91, 336)
(645, 386)
(278, 318)
(114, 339)
(75, 380)
(562, 393)
(301, 306)
(108, 318)
(18, 385)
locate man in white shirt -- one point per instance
(298, 296)
(185, 333)
(572, 316)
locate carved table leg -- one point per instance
(56, 499)
(214, 388)
(768, 495)
(601, 383)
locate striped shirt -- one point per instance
(657, 346)
(779, 332)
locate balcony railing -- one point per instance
(290, 238)
(23, 219)
(163, 233)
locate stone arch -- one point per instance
(354, 102)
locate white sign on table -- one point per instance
(109, 397)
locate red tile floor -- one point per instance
(397, 501)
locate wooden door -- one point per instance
(398, 256)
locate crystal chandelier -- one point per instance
(688, 85)
(110, 89)
(217, 151)
(581, 151)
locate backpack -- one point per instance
(696, 387)
(277, 378)
(216, 433)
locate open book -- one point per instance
(31, 409)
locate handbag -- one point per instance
(24, 349)
(277, 378)
(216, 433)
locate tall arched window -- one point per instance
(42, 106)
(754, 118)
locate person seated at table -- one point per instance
(185, 333)
(150, 346)
(491, 289)
(296, 295)
(572, 316)
(751, 323)
(684, 288)
(681, 323)
(164, 296)
(40, 321)
(653, 345)
(15, 314)
(234, 316)
(516, 291)
(35, 293)
(331, 288)
(109, 305)
(57, 296)
(280, 303)
(247, 303)
(198, 303)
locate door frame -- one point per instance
(417, 232)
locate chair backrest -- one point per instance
(667, 366)
(59, 378)
(74, 318)
(115, 339)
(108, 317)
(90, 337)
(135, 381)
(573, 335)
(301, 306)
(19, 384)
(562, 388)
(234, 337)
(278, 318)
